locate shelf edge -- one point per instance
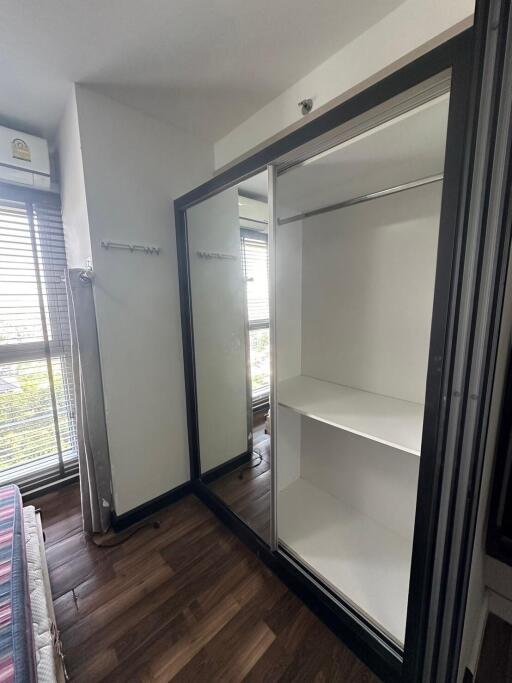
(365, 435)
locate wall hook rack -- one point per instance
(146, 248)
(216, 255)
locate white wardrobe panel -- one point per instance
(288, 447)
(377, 480)
(367, 293)
(219, 328)
(288, 300)
(288, 345)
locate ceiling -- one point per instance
(204, 65)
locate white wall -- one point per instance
(72, 184)
(411, 29)
(218, 310)
(367, 293)
(134, 166)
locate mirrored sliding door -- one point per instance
(227, 238)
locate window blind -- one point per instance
(255, 267)
(37, 420)
(254, 246)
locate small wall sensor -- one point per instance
(306, 106)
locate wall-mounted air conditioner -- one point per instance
(24, 159)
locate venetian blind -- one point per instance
(37, 421)
(254, 247)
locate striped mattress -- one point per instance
(17, 664)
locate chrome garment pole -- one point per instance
(363, 198)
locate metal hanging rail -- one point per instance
(363, 198)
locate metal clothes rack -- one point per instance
(146, 248)
(363, 198)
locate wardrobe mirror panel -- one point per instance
(228, 266)
(356, 249)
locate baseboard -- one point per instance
(121, 522)
(226, 467)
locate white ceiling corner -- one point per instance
(204, 66)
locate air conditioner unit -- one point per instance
(24, 159)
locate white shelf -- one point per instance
(387, 420)
(356, 556)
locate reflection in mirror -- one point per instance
(228, 261)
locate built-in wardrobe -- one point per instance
(356, 242)
(371, 233)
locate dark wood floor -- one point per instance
(246, 490)
(495, 665)
(185, 602)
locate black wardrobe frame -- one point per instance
(380, 653)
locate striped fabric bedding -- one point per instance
(16, 639)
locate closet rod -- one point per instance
(363, 198)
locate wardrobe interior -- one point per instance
(356, 241)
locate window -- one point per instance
(37, 422)
(254, 246)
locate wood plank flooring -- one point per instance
(246, 490)
(184, 602)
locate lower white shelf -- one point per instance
(366, 563)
